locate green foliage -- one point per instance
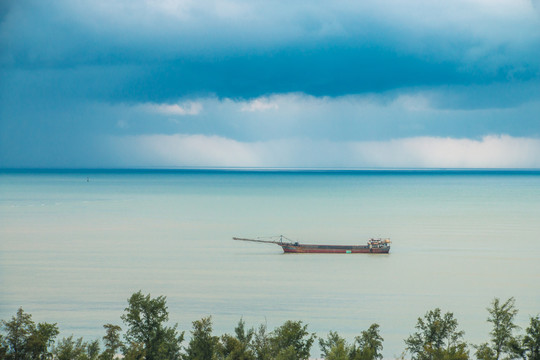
(261, 344)
(3, 350)
(335, 347)
(135, 351)
(230, 348)
(147, 338)
(292, 334)
(484, 352)
(502, 318)
(339, 351)
(112, 341)
(18, 331)
(368, 345)
(237, 348)
(70, 349)
(25, 340)
(41, 340)
(437, 338)
(241, 334)
(203, 345)
(145, 318)
(333, 340)
(288, 353)
(502, 340)
(92, 350)
(531, 341)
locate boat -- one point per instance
(373, 246)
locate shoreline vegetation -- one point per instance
(145, 335)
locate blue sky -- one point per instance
(163, 83)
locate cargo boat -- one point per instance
(373, 246)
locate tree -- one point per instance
(135, 352)
(484, 352)
(292, 334)
(18, 331)
(368, 345)
(92, 350)
(288, 353)
(437, 338)
(531, 341)
(145, 318)
(340, 351)
(261, 344)
(112, 341)
(334, 347)
(237, 347)
(3, 349)
(502, 339)
(241, 334)
(203, 345)
(26, 340)
(41, 341)
(333, 340)
(69, 349)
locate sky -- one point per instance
(250, 83)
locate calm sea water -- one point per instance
(72, 251)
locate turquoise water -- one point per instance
(72, 251)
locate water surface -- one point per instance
(72, 251)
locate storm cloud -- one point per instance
(76, 75)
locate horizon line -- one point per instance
(261, 169)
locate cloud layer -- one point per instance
(423, 152)
(240, 48)
(75, 74)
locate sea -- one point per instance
(75, 244)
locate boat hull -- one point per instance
(334, 249)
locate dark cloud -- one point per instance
(321, 72)
(325, 71)
(201, 51)
(73, 72)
